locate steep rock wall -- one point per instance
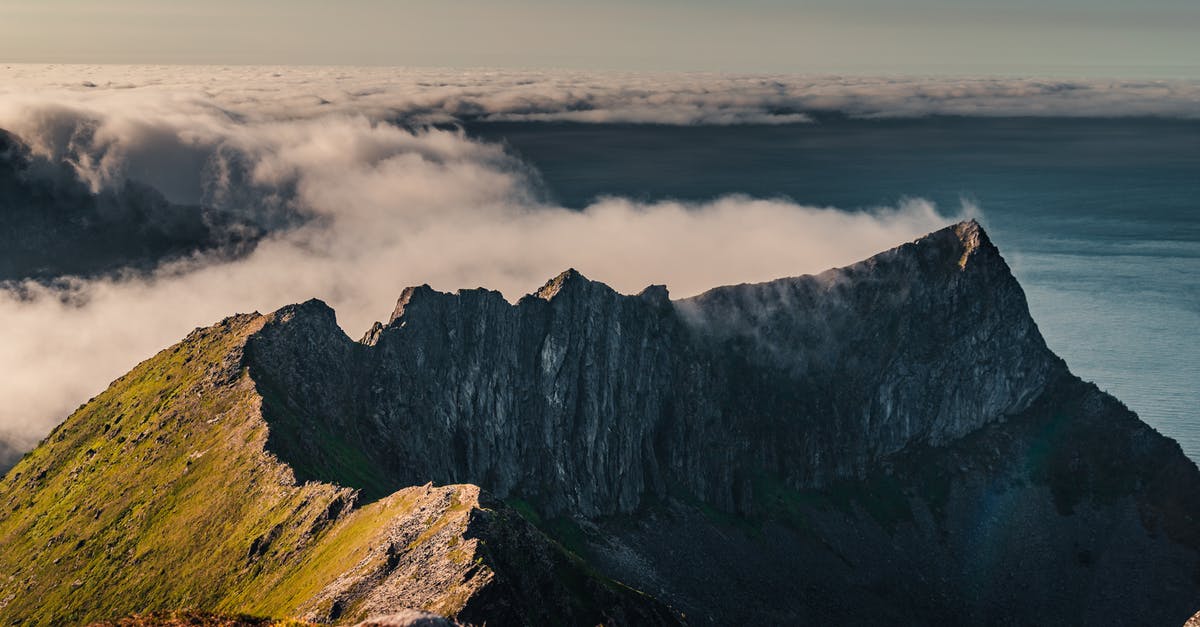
(585, 401)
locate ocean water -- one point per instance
(1099, 218)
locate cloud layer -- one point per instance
(425, 96)
(381, 207)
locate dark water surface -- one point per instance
(1100, 219)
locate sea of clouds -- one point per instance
(438, 96)
(362, 197)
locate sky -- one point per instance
(1086, 37)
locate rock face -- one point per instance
(1072, 512)
(587, 401)
(877, 421)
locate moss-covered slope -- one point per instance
(161, 494)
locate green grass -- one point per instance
(151, 496)
(881, 497)
(161, 494)
(561, 529)
(187, 618)
(525, 509)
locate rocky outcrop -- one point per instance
(586, 401)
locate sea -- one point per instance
(1098, 218)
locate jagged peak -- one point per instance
(655, 294)
(423, 293)
(407, 297)
(973, 238)
(968, 227)
(964, 241)
(951, 247)
(947, 248)
(960, 243)
(312, 306)
(371, 337)
(562, 282)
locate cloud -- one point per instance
(383, 207)
(431, 96)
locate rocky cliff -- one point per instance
(899, 424)
(890, 441)
(586, 401)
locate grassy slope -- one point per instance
(196, 619)
(158, 494)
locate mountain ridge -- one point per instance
(161, 494)
(890, 440)
(572, 321)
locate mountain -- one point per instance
(161, 494)
(53, 224)
(890, 441)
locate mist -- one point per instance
(358, 209)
